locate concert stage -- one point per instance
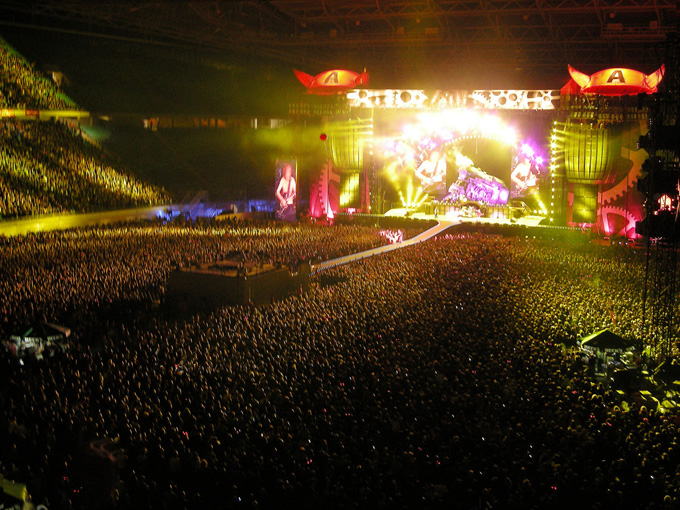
(574, 155)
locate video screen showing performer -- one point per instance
(525, 175)
(431, 172)
(286, 190)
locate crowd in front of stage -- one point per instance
(54, 274)
(429, 377)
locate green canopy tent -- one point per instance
(39, 339)
(12, 494)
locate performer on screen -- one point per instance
(432, 172)
(523, 177)
(285, 193)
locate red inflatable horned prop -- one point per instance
(331, 82)
(617, 81)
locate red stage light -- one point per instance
(323, 137)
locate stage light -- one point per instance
(323, 137)
(409, 193)
(459, 121)
(489, 124)
(412, 132)
(391, 172)
(509, 136)
(350, 187)
(462, 160)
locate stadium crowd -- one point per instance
(57, 273)
(21, 86)
(47, 167)
(430, 377)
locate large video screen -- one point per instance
(286, 190)
(459, 156)
(441, 170)
(529, 178)
(416, 167)
(525, 174)
(431, 170)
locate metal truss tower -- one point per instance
(661, 186)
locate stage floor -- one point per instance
(531, 221)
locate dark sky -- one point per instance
(112, 76)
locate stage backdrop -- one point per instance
(324, 190)
(620, 203)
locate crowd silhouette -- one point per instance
(430, 377)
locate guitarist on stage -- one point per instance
(285, 193)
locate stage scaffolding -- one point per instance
(660, 298)
(661, 186)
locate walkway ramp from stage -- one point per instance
(423, 236)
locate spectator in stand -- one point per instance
(46, 167)
(21, 86)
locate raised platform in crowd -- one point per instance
(226, 283)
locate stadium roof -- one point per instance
(395, 37)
